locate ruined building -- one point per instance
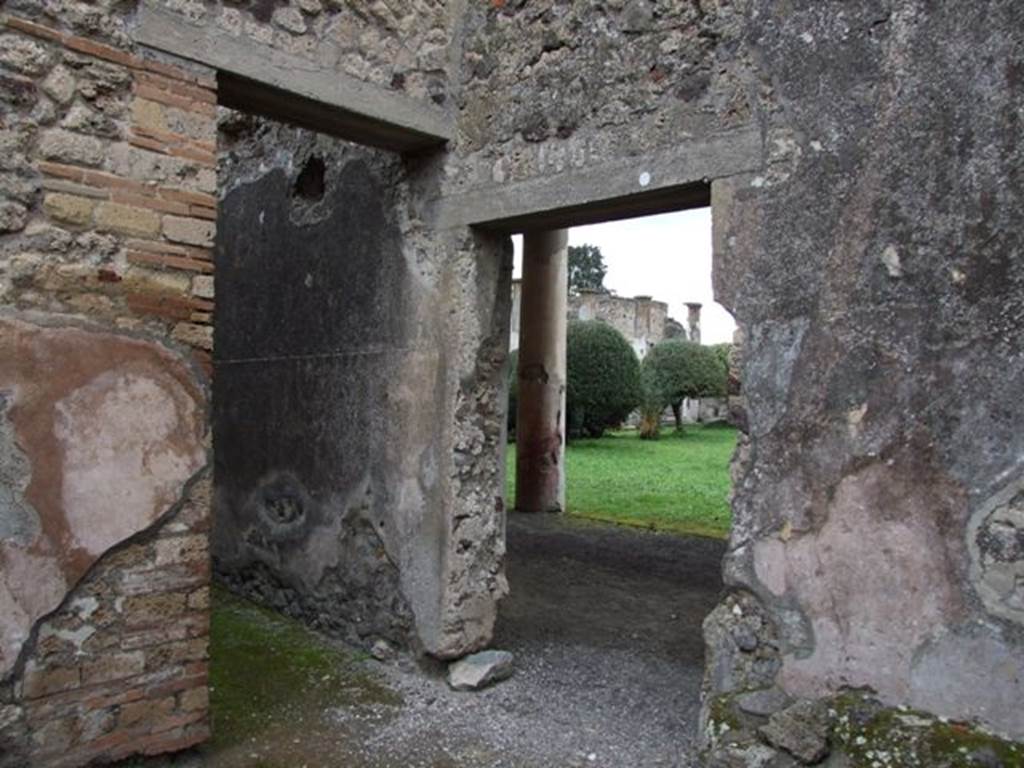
(287, 347)
(641, 319)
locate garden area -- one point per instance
(678, 483)
(670, 472)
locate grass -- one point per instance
(678, 483)
(268, 669)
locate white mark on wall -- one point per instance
(645, 179)
(854, 418)
(75, 637)
(891, 260)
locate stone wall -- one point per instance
(873, 264)
(110, 174)
(548, 87)
(875, 270)
(105, 226)
(330, 364)
(399, 46)
(640, 319)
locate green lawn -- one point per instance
(678, 483)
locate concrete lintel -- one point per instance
(668, 180)
(260, 79)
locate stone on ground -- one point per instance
(801, 730)
(479, 670)
(763, 702)
(383, 651)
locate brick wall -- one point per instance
(112, 213)
(120, 668)
(107, 220)
(639, 319)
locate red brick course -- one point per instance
(162, 86)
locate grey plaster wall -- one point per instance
(339, 372)
(875, 266)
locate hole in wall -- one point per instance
(309, 184)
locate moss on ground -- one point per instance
(875, 736)
(722, 712)
(872, 735)
(267, 669)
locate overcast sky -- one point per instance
(667, 257)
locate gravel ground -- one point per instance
(605, 625)
(604, 622)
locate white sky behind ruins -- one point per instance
(667, 257)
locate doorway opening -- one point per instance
(608, 595)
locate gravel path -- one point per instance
(605, 625)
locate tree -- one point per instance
(586, 268)
(728, 353)
(678, 369)
(724, 352)
(652, 404)
(603, 378)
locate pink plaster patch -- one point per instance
(109, 429)
(877, 580)
(122, 468)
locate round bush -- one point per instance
(603, 384)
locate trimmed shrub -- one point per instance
(603, 378)
(676, 369)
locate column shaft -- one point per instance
(540, 420)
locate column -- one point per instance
(693, 320)
(540, 420)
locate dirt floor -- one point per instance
(605, 624)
